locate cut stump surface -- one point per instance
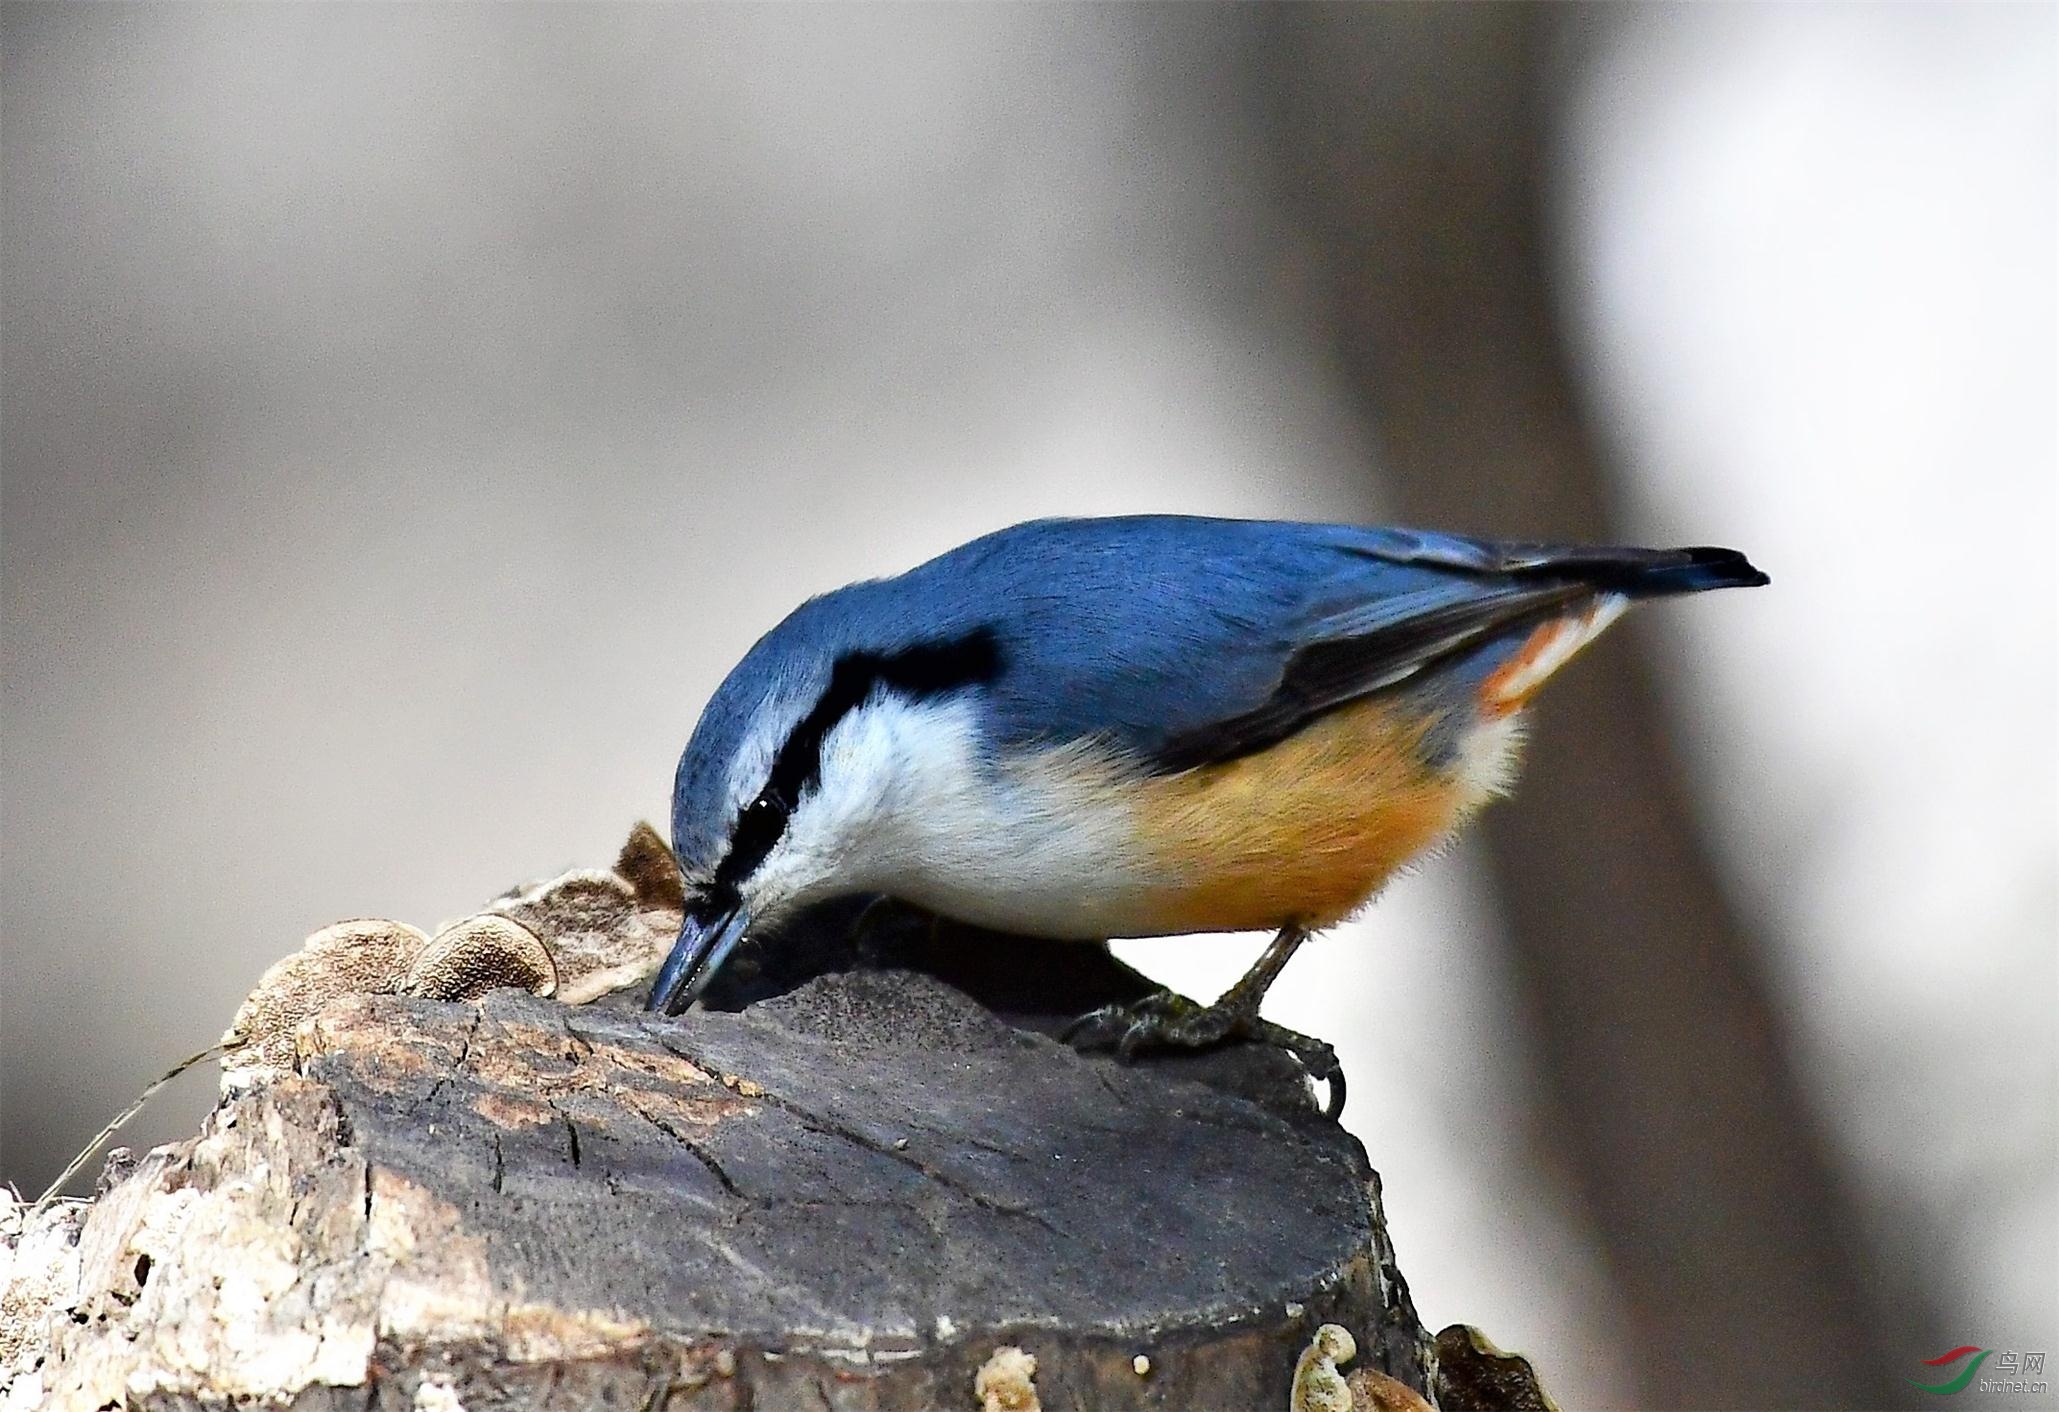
(846, 1197)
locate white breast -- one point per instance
(905, 805)
(1044, 845)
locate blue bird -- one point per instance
(1138, 726)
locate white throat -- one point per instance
(906, 803)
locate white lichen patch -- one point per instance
(1318, 1385)
(39, 1278)
(193, 1282)
(196, 1285)
(437, 1395)
(1006, 1382)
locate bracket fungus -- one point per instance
(468, 958)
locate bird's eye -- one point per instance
(758, 828)
(759, 825)
(763, 815)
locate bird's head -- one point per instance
(787, 791)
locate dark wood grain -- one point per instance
(848, 1196)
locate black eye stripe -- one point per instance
(929, 669)
(758, 829)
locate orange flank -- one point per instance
(1549, 648)
(1304, 832)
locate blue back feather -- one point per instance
(1150, 630)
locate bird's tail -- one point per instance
(1645, 573)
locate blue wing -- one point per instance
(1189, 640)
(1182, 640)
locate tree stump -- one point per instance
(852, 1195)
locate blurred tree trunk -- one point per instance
(1410, 142)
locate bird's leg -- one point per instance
(1248, 993)
(1165, 1020)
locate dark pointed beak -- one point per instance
(705, 940)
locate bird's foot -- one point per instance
(1168, 1020)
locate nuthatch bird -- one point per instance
(1141, 726)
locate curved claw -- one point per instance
(1141, 1032)
(1097, 1028)
(1319, 1061)
(1112, 1025)
(1168, 1019)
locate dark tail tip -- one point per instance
(1604, 568)
(1694, 570)
(1640, 573)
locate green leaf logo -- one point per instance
(1958, 1384)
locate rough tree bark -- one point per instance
(852, 1195)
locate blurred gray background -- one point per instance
(410, 413)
